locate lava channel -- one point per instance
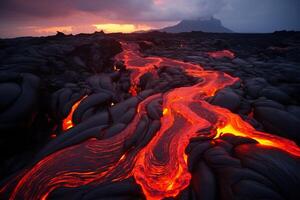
(159, 166)
(67, 123)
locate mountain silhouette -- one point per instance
(206, 25)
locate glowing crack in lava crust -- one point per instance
(222, 54)
(160, 166)
(67, 123)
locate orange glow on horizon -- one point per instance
(74, 29)
(124, 28)
(54, 29)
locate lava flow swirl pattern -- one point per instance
(160, 167)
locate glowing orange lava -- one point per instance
(139, 65)
(67, 122)
(160, 166)
(222, 54)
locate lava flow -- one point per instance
(222, 54)
(140, 65)
(68, 122)
(160, 166)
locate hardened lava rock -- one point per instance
(240, 168)
(18, 103)
(228, 168)
(130, 126)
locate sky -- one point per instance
(45, 17)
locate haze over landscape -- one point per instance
(35, 18)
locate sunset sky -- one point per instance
(45, 17)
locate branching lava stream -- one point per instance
(159, 167)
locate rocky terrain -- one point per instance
(267, 65)
(90, 116)
(35, 71)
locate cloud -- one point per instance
(261, 15)
(16, 9)
(182, 9)
(81, 15)
(45, 15)
(137, 10)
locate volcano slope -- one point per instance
(145, 116)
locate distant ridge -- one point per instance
(206, 25)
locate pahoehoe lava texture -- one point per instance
(145, 116)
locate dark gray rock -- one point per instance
(113, 130)
(275, 94)
(204, 182)
(9, 93)
(278, 122)
(145, 80)
(294, 110)
(93, 100)
(268, 103)
(226, 98)
(120, 109)
(22, 101)
(278, 166)
(100, 82)
(244, 107)
(239, 61)
(254, 86)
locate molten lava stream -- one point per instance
(222, 54)
(160, 168)
(67, 122)
(90, 162)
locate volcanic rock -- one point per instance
(227, 98)
(275, 94)
(295, 110)
(76, 79)
(21, 92)
(278, 121)
(254, 86)
(262, 102)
